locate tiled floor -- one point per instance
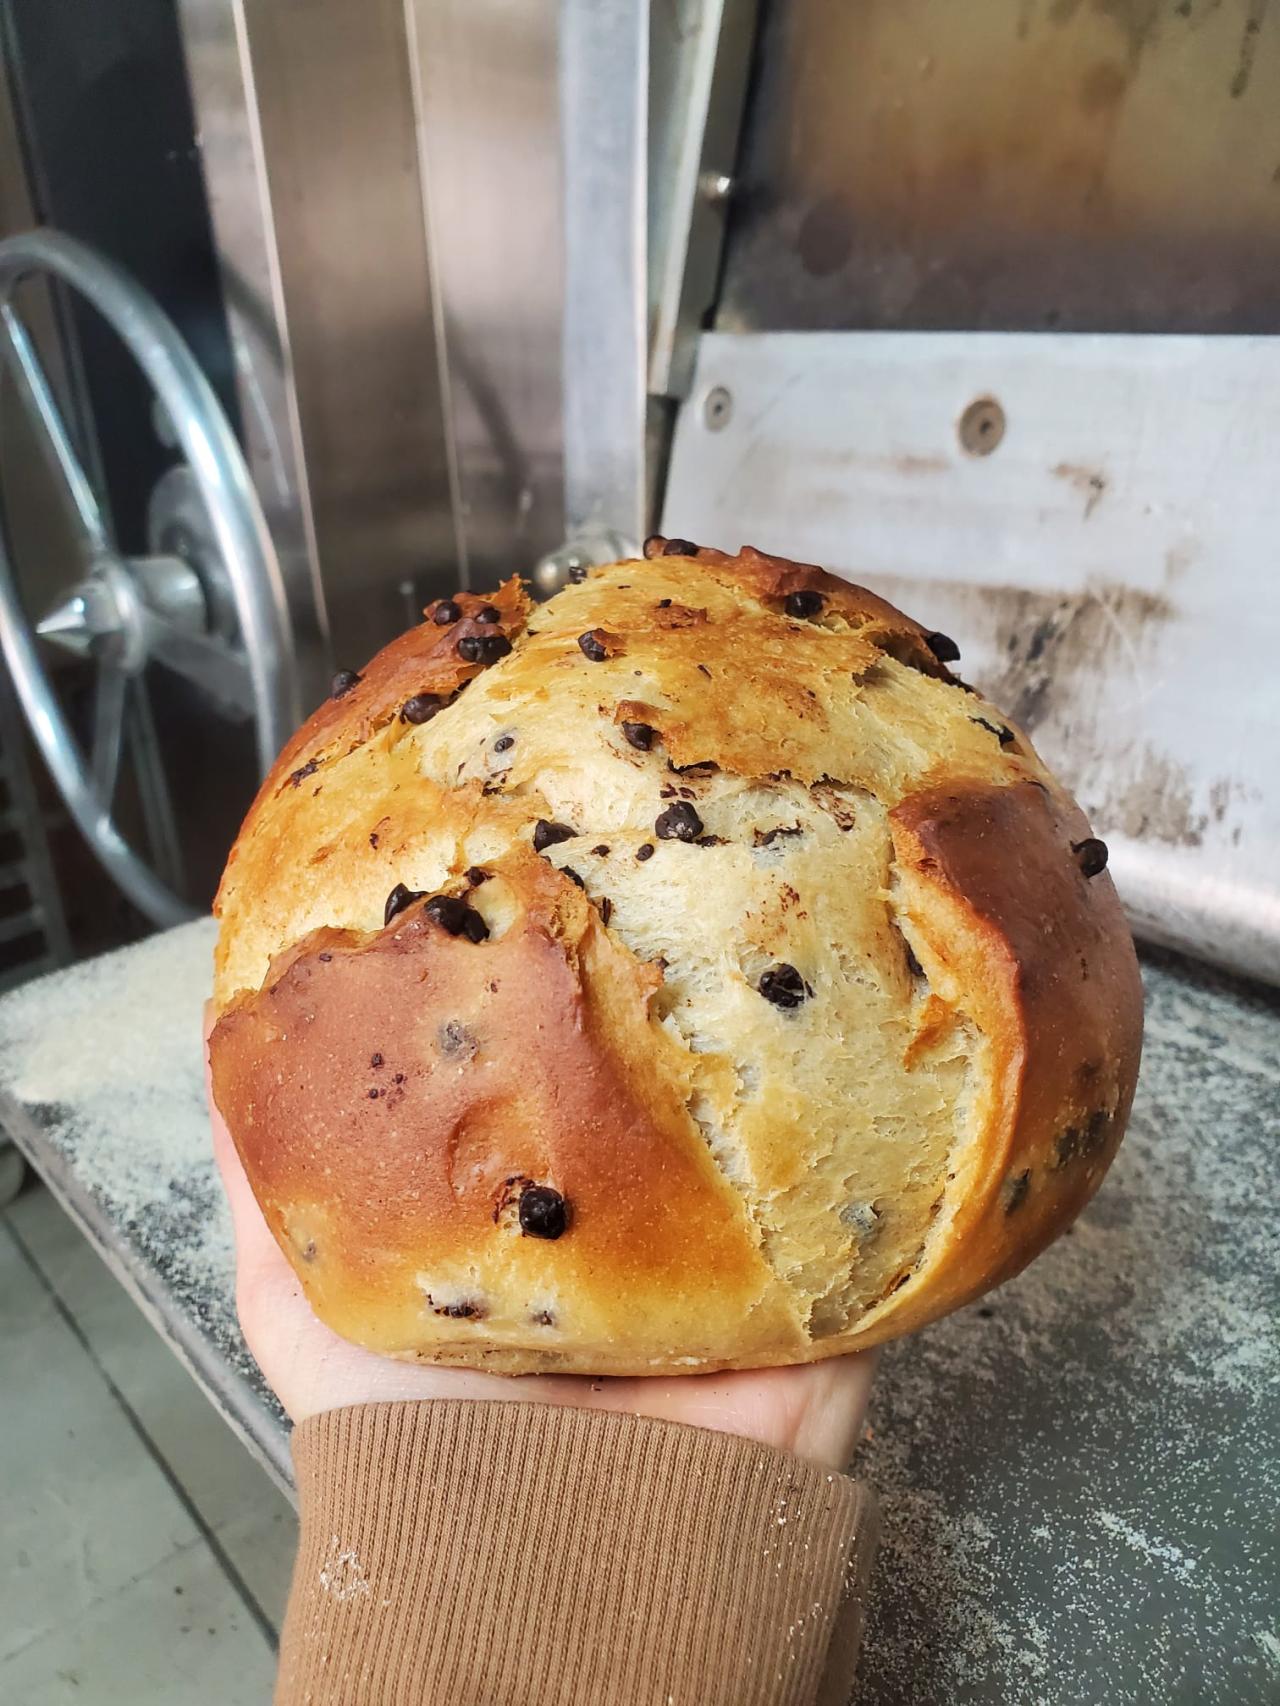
(146, 1557)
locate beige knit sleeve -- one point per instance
(507, 1553)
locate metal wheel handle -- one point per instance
(127, 610)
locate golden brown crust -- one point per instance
(1049, 974)
(391, 1094)
(722, 780)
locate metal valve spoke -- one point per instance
(37, 397)
(219, 620)
(109, 691)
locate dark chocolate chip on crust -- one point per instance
(476, 874)
(483, 648)
(639, 735)
(804, 603)
(421, 708)
(679, 548)
(1016, 1187)
(343, 682)
(543, 1212)
(466, 1310)
(547, 834)
(943, 647)
(398, 899)
(653, 545)
(453, 915)
(1091, 855)
(1078, 1142)
(568, 871)
(487, 613)
(644, 851)
(1004, 735)
(300, 775)
(601, 850)
(504, 743)
(680, 822)
(446, 613)
(592, 646)
(456, 1040)
(783, 986)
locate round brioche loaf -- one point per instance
(715, 982)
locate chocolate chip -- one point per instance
(913, 964)
(783, 985)
(943, 647)
(446, 612)
(664, 604)
(592, 646)
(476, 874)
(577, 574)
(679, 548)
(504, 743)
(639, 735)
(343, 682)
(710, 841)
(678, 823)
(326, 957)
(804, 603)
(543, 1212)
(454, 915)
(1016, 1191)
(1078, 1142)
(653, 545)
(568, 871)
(602, 851)
(305, 770)
(483, 648)
(487, 613)
(398, 899)
(543, 1318)
(373, 1095)
(703, 670)
(547, 834)
(456, 1040)
(767, 837)
(373, 840)
(421, 708)
(375, 1060)
(606, 909)
(464, 1311)
(644, 851)
(1091, 855)
(399, 1078)
(475, 929)
(1005, 736)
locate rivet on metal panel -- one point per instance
(981, 426)
(715, 187)
(717, 408)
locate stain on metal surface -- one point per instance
(1064, 665)
(1081, 165)
(1248, 47)
(1089, 482)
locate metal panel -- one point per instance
(700, 55)
(487, 111)
(1108, 570)
(230, 139)
(604, 71)
(1010, 165)
(317, 174)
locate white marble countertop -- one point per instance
(1078, 1476)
